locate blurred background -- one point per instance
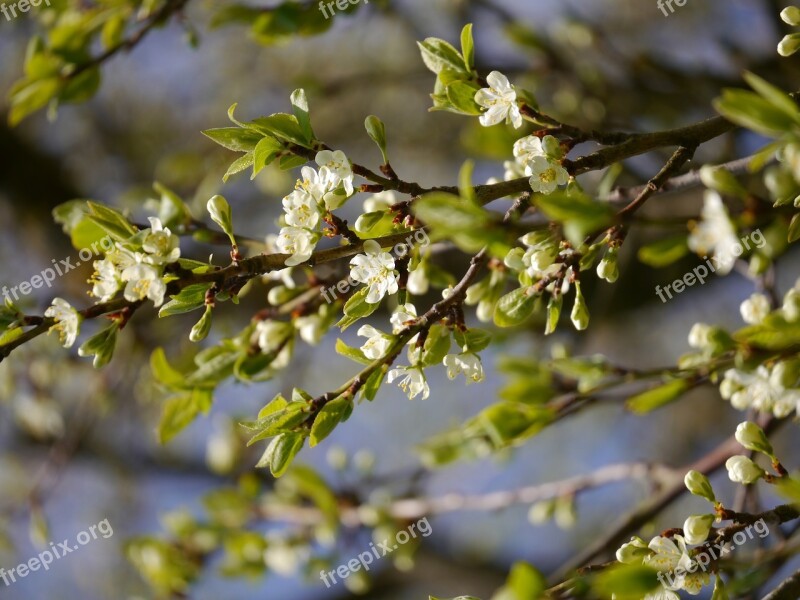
(78, 446)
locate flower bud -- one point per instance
(743, 470)
(789, 44)
(202, 327)
(698, 484)
(608, 268)
(700, 335)
(553, 313)
(552, 147)
(696, 529)
(755, 309)
(721, 180)
(791, 16)
(220, 212)
(580, 312)
(752, 437)
(791, 305)
(633, 552)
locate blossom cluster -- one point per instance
(771, 387)
(317, 192)
(137, 268)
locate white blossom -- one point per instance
(310, 328)
(760, 389)
(67, 321)
(302, 209)
(375, 268)
(755, 309)
(401, 316)
(336, 168)
(715, 234)
(377, 342)
(546, 175)
(380, 201)
(500, 100)
(105, 281)
(298, 242)
(271, 335)
(162, 246)
(418, 283)
(413, 381)
(467, 363)
(144, 281)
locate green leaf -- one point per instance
(774, 95)
(438, 54)
(468, 47)
(328, 418)
(352, 353)
(283, 126)
(181, 410)
(301, 113)
(473, 340)
(461, 95)
(281, 452)
(163, 371)
(579, 214)
(32, 97)
(357, 308)
(234, 138)
(524, 583)
(282, 420)
(794, 229)
(101, 346)
(657, 397)
(626, 582)
(753, 112)
(664, 252)
(514, 308)
(437, 345)
(774, 333)
(265, 152)
(202, 328)
(374, 382)
(190, 298)
(111, 221)
(510, 423)
(377, 132)
(240, 164)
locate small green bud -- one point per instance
(553, 313)
(608, 268)
(202, 327)
(791, 16)
(580, 312)
(752, 437)
(789, 44)
(698, 484)
(743, 470)
(220, 212)
(722, 181)
(696, 529)
(633, 552)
